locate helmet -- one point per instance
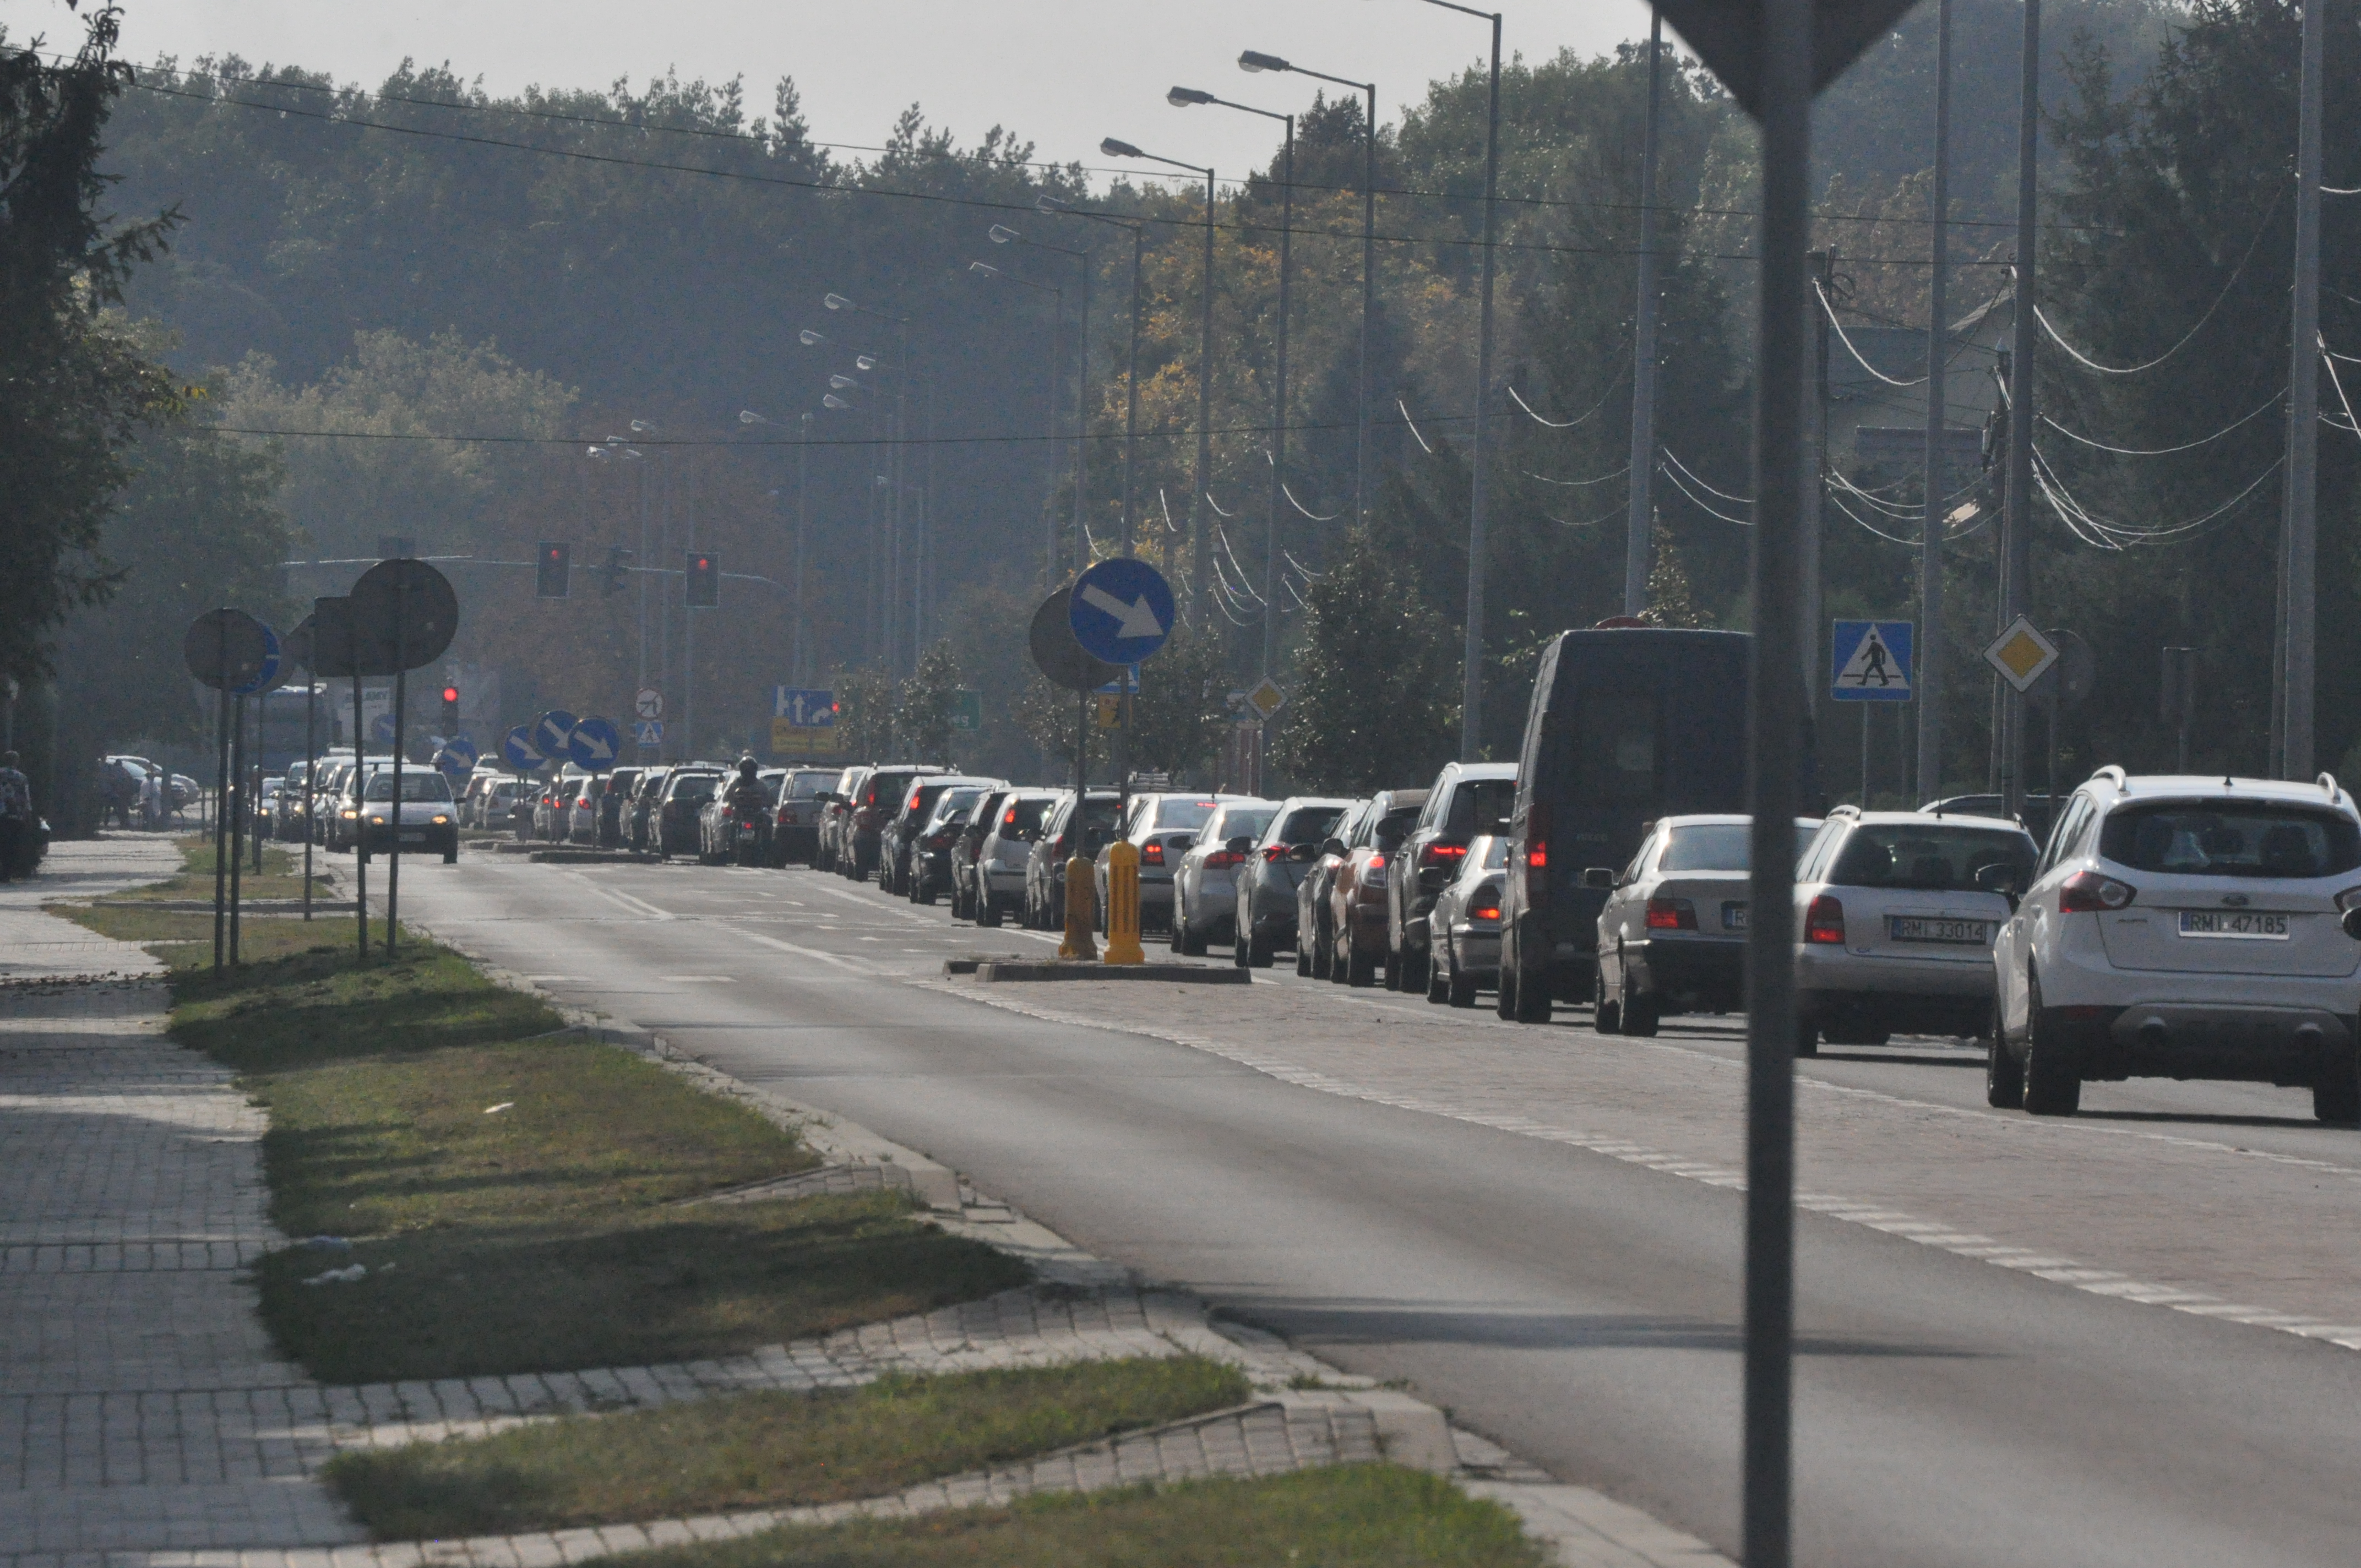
(746, 767)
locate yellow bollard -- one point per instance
(1123, 903)
(1079, 897)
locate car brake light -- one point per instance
(913, 804)
(1677, 914)
(1490, 911)
(1009, 817)
(1824, 921)
(1222, 860)
(940, 841)
(1435, 855)
(1273, 854)
(1154, 854)
(2088, 893)
(1537, 830)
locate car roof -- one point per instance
(2218, 786)
(1479, 771)
(1921, 818)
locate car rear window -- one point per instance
(1023, 815)
(1903, 855)
(1717, 847)
(422, 785)
(2232, 838)
(1171, 815)
(1241, 822)
(1307, 824)
(1394, 826)
(956, 803)
(1481, 805)
(694, 788)
(804, 786)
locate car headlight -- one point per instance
(441, 820)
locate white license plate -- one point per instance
(1929, 928)
(2234, 926)
(413, 837)
(1733, 917)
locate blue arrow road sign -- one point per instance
(551, 732)
(453, 765)
(594, 744)
(517, 748)
(463, 749)
(1869, 660)
(804, 707)
(1121, 610)
(272, 652)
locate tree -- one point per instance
(1178, 715)
(1374, 705)
(864, 717)
(922, 715)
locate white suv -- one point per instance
(1895, 912)
(2184, 928)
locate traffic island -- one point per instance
(994, 971)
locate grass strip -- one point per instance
(1356, 1516)
(545, 1235)
(281, 875)
(764, 1450)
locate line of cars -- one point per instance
(351, 807)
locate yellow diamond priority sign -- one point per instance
(1266, 699)
(2020, 654)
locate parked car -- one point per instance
(422, 818)
(898, 841)
(936, 840)
(1313, 950)
(1354, 922)
(288, 808)
(1205, 896)
(1463, 925)
(1161, 827)
(1263, 908)
(1467, 799)
(795, 822)
(673, 816)
(640, 811)
(835, 822)
(2182, 927)
(1894, 930)
(553, 811)
(1626, 725)
(582, 812)
(1003, 851)
(344, 816)
(2036, 813)
(740, 833)
(1671, 936)
(1061, 839)
(876, 802)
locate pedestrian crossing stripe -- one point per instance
(1871, 661)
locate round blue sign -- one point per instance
(462, 750)
(1121, 610)
(273, 652)
(551, 732)
(517, 748)
(594, 744)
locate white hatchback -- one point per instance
(2185, 927)
(1894, 921)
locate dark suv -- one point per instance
(875, 803)
(673, 825)
(898, 842)
(1467, 799)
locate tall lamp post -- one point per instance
(797, 636)
(1639, 524)
(1189, 97)
(901, 416)
(1252, 61)
(1200, 545)
(1131, 364)
(1050, 467)
(1001, 234)
(1471, 699)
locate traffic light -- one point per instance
(704, 581)
(450, 710)
(610, 576)
(556, 564)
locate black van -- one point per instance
(1627, 724)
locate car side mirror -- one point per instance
(1239, 845)
(2000, 878)
(1601, 878)
(1332, 847)
(2352, 923)
(1303, 854)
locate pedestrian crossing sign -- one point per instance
(1870, 661)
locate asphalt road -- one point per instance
(1571, 1297)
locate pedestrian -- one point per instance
(16, 815)
(151, 800)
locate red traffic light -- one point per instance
(450, 693)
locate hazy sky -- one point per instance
(1061, 72)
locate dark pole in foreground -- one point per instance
(311, 777)
(221, 797)
(2017, 597)
(1471, 694)
(1775, 720)
(360, 763)
(237, 822)
(1639, 525)
(1939, 342)
(2299, 536)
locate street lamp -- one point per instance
(1471, 695)
(1199, 546)
(1189, 97)
(1001, 234)
(1252, 61)
(900, 325)
(799, 640)
(1052, 205)
(1049, 469)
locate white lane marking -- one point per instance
(622, 900)
(855, 965)
(1870, 1216)
(701, 978)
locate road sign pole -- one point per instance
(221, 799)
(393, 838)
(311, 772)
(2017, 530)
(237, 823)
(360, 762)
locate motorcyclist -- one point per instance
(744, 800)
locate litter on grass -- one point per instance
(340, 1275)
(496, 1109)
(328, 1243)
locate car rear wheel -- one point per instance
(2336, 1097)
(1606, 1012)
(1187, 940)
(1641, 1009)
(1807, 1036)
(2004, 1074)
(1303, 952)
(2053, 1077)
(1438, 989)
(1458, 985)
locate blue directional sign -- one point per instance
(455, 764)
(551, 732)
(463, 751)
(382, 727)
(518, 751)
(805, 708)
(273, 651)
(594, 744)
(1869, 660)
(1121, 610)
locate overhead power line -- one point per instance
(2268, 404)
(2235, 273)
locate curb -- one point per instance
(988, 970)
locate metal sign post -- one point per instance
(227, 650)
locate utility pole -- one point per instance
(2016, 596)
(802, 650)
(1811, 521)
(1201, 559)
(1471, 693)
(1929, 672)
(1640, 525)
(1278, 409)
(2298, 537)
